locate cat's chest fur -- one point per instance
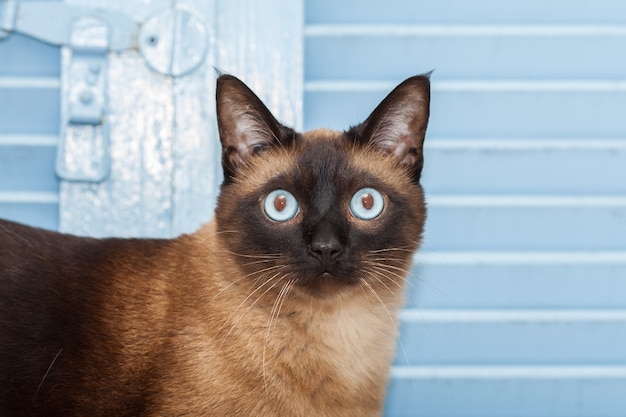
(332, 351)
(299, 372)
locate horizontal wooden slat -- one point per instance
(17, 82)
(510, 111)
(532, 167)
(29, 197)
(24, 56)
(497, 86)
(525, 223)
(464, 52)
(503, 372)
(521, 258)
(465, 30)
(500, 337)
(27, 167)
(43, 213)
(29, 110)
(532, 201)
(413, 316)
(29, 140)
(499, 280)
(465, 11)
(580, 391)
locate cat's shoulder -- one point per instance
(20, 236)
(26, 243)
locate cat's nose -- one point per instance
(325, 244)
(326, 251)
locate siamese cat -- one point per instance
(285, 304)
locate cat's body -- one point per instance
(262, 312)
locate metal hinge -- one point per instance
(172, 42)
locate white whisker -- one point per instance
(261, 256)
(46, 374)
(384, 272)
(391, 318)
(274, 316)
(407, 249)
(251, 305)
(374, 276)
(260, 273)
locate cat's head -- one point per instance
(322, 211)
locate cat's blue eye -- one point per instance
(367, 203)
(280, 205)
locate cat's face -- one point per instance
(322, 212)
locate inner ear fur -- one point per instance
(398, 124)
(246, 126)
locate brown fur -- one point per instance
(215, 323)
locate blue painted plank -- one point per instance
(469, 227)
(511, 342)
(527, 169)
(28, 168)
(30, 110)
(465, 11)
(507, 397)
(567, 284)
(44, 215)
(23, 56)
(465, 56)
(486, 114)
(580, 111)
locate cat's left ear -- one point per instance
(398, 125)
(246, 125)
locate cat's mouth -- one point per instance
(326, 282)
(327, 270)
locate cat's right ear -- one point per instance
(398, 125)
(246, 126)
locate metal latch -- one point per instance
(83, 153)
(173, 42)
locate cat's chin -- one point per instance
(327, 285)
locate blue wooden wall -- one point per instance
(29, 129)
(518, 302)
(518, 298)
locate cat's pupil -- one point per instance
(367, 201)
(280, 203)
